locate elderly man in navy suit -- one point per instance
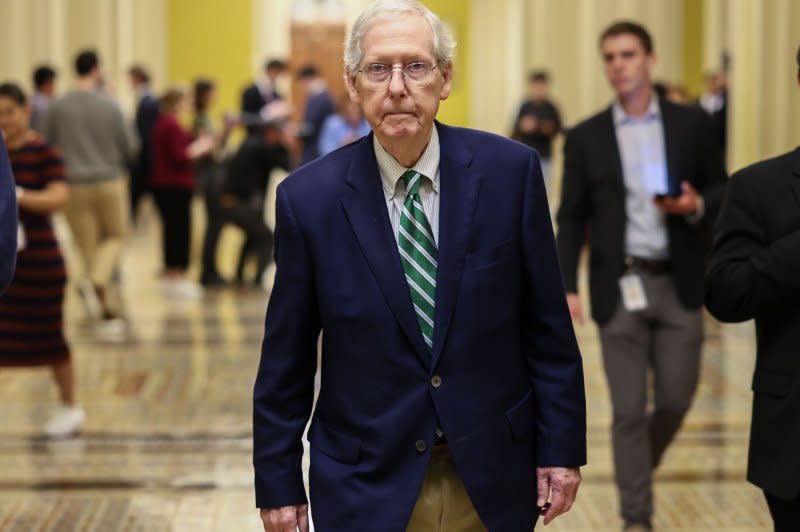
(8, 220)
(452, 393)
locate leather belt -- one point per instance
(653, 267)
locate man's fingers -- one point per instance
(282, 519)
(542, 487)
(302, 518)
(557, 506)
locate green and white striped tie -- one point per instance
(418, 254)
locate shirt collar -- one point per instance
(621, 117)
(391, 171)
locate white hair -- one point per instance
(443, 43)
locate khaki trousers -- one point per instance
(443, 504)
(97, 214)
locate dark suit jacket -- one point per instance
(318, 107)
(146, 116)
(511, 395)
(755, 273)
(8, 220)
(253, 101)
(593, 204)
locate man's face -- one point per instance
(400, 110)
(627, 64)
(539, 90)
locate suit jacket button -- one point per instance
(436, 381)
(421, 446)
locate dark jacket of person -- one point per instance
(318, 107)
(8, 220)
(253, 102)
(248, 171)
(755, 274)
(504, 374)
(593, 204)
(543, 111)
(147, 112)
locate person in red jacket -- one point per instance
(173, 183)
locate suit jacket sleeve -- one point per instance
(554, 360)
(573, 212)
(284, 387)
(714, 175)
(8, 220)
(749, 276)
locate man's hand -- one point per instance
(561, 485)
(575, 308)
(687, 203)
(527, 124)
(286, 519)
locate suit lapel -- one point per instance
(366, 211)
(671, 144)
(796, 173)
(608, 135)
(459, 184)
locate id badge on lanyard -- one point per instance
(631, 287)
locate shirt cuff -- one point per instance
(696, 216)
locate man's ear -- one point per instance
(352, 90)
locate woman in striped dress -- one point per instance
(31, 331)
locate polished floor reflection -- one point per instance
(167, 442)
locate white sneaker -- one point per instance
(90, 300)
(111, 330)
(182, 289)
(66, 421)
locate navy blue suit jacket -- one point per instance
(318, 107)
(8, 220)
(511, 396)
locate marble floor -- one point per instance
(167, 442)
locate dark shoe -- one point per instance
(637, 527)
(212, 279)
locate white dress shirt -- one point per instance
(394, 188)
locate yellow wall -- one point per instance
(211, 38)
(693, 51)
(455, 110)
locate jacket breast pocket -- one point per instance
(481, 258)
(332, 443)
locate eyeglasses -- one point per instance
(417, 73)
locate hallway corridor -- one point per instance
(167, 441)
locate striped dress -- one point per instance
(31, 330)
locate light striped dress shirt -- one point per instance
(395, 190)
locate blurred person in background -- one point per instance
(678, 94)
(714, 101)
(643, 181)
(98, 146)
(753, 274)
(8, 219)
(147, 110)
(243, 194)
(208, 168)
(263, 91)
(538, 121)
(319, 106)
(173, 182)
(44, 90)
(31, 324)
(345, 126)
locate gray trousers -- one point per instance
(665, 338)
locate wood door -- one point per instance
(320, 44)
